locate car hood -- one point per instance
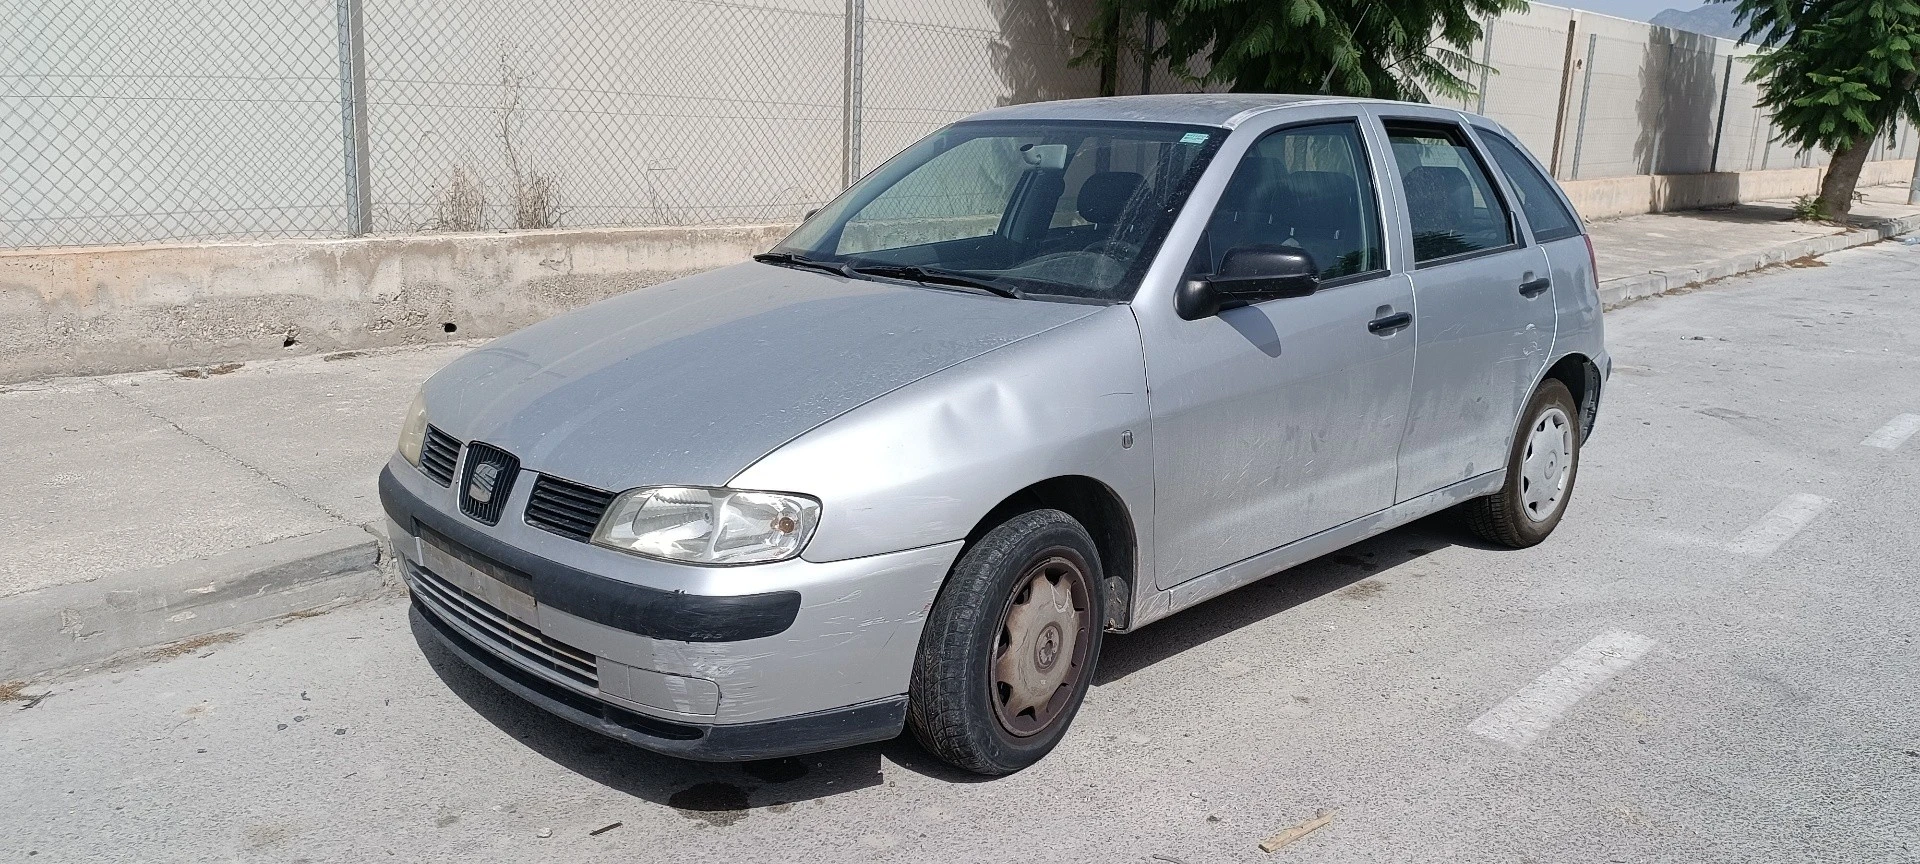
(691, 381)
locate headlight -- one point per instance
(700, 525)
(413, 431)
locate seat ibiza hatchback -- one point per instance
(1055, 371)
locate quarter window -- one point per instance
(1546, 214)
(1308, 187)
(1451, 202)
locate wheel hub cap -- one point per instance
(1543, 467)
(1035, 659)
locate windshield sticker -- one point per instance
(1194, 138)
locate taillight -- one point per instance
(1593, 264)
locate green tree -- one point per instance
(1388, 49)
(1836, 74)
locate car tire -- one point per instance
(1009, 647)
(1541, 467)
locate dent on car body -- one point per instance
(688, 382)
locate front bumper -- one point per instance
(804, 657)
(878, 720)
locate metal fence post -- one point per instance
(1660, 117)
(1146, 56)
(353, 118)
(1586, 91)
(853, 95)
(1720, 125)
(1566, 92)
(1486, 63)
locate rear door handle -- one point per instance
(1387, 324)
(1535, 286)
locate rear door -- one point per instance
(1552, 225)
(1484, 308)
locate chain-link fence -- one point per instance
(495, 114)
(191, 120)
(222, 119)
(218, 119)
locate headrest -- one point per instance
(1105, 194)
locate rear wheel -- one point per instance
(1540, 473)
(1009, 647)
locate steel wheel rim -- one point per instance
(1546, 465)
(1040, 646)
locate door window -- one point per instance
(1546, 213)
(1308, 187)
(1451, 202)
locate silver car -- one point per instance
(1055, 371)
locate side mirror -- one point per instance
(1248, 275)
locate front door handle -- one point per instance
(1388, 324)
(1535, 286)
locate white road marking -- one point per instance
(1778, 526)
(1895, 433)
(1526, 715)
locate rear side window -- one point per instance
(1306, 187)
(1451, 201)
(1549, 217)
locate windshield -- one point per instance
(1053, 210)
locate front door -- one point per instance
(1485, 323)
(1275, 421)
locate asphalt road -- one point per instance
(1713, 660)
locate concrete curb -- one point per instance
(66, 626)
(1615, 293)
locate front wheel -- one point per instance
(1540, 473)
(1009, 647)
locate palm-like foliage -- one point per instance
(1390, 49)
(1836, 74)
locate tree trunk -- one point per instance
(1843, 173)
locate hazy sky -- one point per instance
(1638, 10)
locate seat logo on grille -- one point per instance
(485, 476)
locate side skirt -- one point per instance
(1210, 585)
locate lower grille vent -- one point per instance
(506, 635)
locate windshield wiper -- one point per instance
(788, 259)
(940, 277)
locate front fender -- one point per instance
(924, 464)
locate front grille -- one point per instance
(486, 482)
(506, 635)
(566, 508)
(437, 456)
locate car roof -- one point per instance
(1225, 110)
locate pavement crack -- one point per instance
(331, 513)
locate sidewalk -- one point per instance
(156, 506)
(1641, 256)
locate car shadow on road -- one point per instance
(719, 794)
(1125, 654)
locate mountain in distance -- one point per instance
(1714, 19)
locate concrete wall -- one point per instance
(1612, 197)
(109, 309)
(1634, 99)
